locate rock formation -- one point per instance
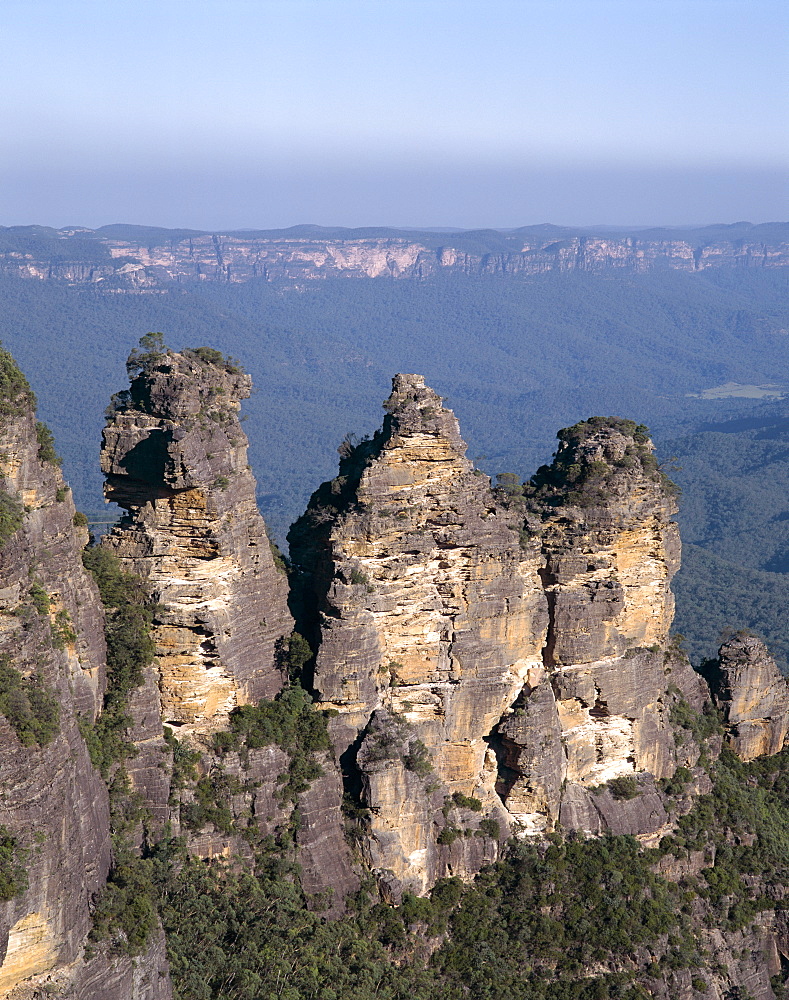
(174, 456)
(748, 687)
(55, 815)
(513, 651)
(490, 662)
(432, 616)
(610, 549)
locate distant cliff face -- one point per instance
(117, 257)
(174, 456)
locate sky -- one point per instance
(230, 114)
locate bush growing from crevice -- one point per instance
(13, 866)
(130, 649)
(11, 513)
(624, 787)
(32, 711)
(46, 444)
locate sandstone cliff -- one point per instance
(431, 617)
(174, 456)
(55, 812)
(492, 654)
(610, 549)
(126, 257)
(753, 696)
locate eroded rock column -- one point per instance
(175, 458)
(431, 615)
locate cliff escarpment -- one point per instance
(138, 258)
(453, 751)
(56, 849)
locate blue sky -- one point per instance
(269, 113)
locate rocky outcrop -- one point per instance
(600, 710)
(431, 612)
(479, 645)
(119, 258)
(174, 456)
(55, 814)
(753, 696)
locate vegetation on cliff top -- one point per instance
(587, 476)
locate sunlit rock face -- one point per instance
(601, 708)
(430, 611)
(754, 697)
(484, 644)
(174, 456)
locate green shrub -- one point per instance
(467, 802)
(39, 599)
(416, 759)
(211, 356)
(32, 711)
(624, 787)
(700, 725)
(80, 520)
(46, 444)
(11, 513)
(13, 871)
(490, 828)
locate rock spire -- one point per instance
(174, 456)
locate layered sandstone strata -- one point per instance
(753, 696)
(601, 708)
(174, 456)
(431, 615)
(478, 645)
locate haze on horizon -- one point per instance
(212, 114)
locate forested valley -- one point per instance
(516, 360)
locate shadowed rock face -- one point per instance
(174, 456)
(747, 685)
(54, 804)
